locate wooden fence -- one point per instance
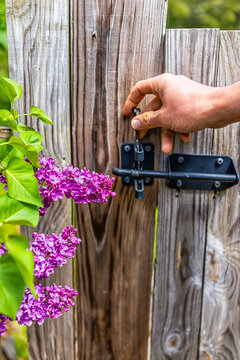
(78, 60)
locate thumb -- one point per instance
(147, 120)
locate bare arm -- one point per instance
(182, 105)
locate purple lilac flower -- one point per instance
(3, 323)
(50, 303)
(3, 249)
(82, 185)
(51, 251)
(3, 180)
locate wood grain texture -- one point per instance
(182, 218)
(5, 132)
(221, 310)
(38, 39)
(114, 44)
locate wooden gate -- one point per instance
(78, 61)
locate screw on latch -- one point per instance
(219, 161)
(179, 184)
(147, 180)
(180, 159)
(127, 148)
(148, 148)
(217, 184)
(127, 180)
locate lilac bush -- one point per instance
(53, 250)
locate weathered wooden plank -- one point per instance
(5, 132)
(38, 39)
(182, 218)
(221, 312)
(115, 44)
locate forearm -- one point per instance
(225, 106)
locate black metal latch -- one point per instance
(185, 171)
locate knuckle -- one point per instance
(147, 119)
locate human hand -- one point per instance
(179, 105)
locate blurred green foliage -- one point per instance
(223, 14)
(4, 102)
(20, 332)
(3, 41)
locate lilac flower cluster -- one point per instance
(51, 251)
(50, 303)
(3, 323)
(51, 300)
(81, 185)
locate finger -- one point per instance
(185, 137)
(137, 93)
(148, 120)
(154, 104)
(167, 140)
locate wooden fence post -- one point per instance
(219, 337)
(183, 218)
(38, 50)
(114, 44)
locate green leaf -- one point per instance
(11, 153)
(12, 89)
(12, 286)
(28, 150)
(17, 246)
(38, 113)
(15, 212)
(6, 230)
(22, 185)
(2, 190)
(21, 127)
(7, 119)
(32, 138)
(14, 113)
(4, 148)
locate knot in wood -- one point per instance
(94, 34)
(173, 342)
(17, 7)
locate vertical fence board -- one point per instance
(115, 44)
(182, 218)
(38, 39)
(221, 312)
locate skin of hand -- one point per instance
(182, 105)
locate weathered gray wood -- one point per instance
(115, 44)
(220, 331)
(38, 40)
(183, 217)
(5, 132)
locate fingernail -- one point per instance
(136, 124)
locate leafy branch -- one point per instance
(20, 200)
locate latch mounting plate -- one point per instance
(127, 161)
